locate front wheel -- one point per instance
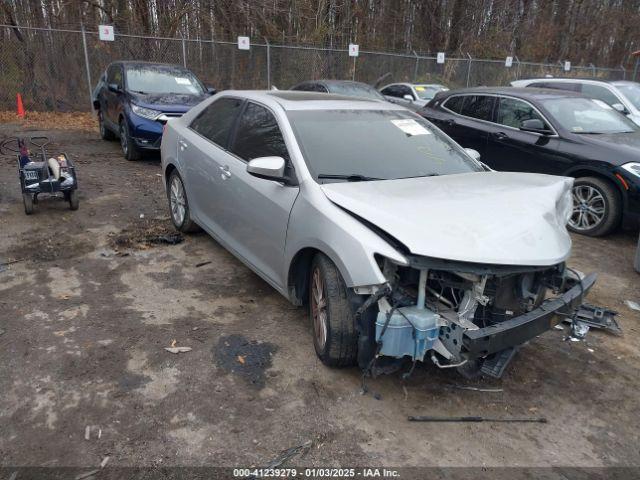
(27, 199)
(179, 205)
(597, 207)
(129, 148)
(334, 334)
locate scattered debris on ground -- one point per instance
(426, 418)
(177, 349)
(632, 305)
(145, 234)
(597, 317)
(288, 454)
(477, 389)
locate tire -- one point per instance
(105, 133)
(597, 207)
(129, 148)
(334, 332)
(27, 199)
(72, 198)
(181, 217)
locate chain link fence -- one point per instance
(55, 69)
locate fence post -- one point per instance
(517, 67)
(353, 77)
(184, 53)
(469, 69)
(86, 63)
(624, 72)
(593, 69)
(268, 63)
(415, 70)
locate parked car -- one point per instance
(622, 95)
(412, 95)
(134, 100)
(555, 132)
(401, 244)
(340, 87)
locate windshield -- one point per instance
(631, 91)
(427, 92)
(375, 144)
(162, 80)
(582, 115)
(361, 90)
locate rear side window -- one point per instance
(258, 135)
(600, 93)
(512, 112)
(216, 121)
(455, 104)
(478, 106)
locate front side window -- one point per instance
(583, 115)
(455, 104)
(216, 120)
(512, 112)
(599, 92)
(392, 91)
(631, 91)
(375, 144)
(258, 135)
(479, 106)
(114, 75)
(151, 79)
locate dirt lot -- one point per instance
(91, 301)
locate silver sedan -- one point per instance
(403, 245)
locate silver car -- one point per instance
(402, 244)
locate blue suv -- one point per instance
(135, 99)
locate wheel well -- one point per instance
(298, 279)
(596, 174)
(167, 173)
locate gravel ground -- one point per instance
(93, 298)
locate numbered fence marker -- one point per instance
(243, 43)
(440, 57)
(106, 33)
(508, 62)
(567, 66)
(353, 50)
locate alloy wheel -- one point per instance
(589, 208)
(178, 201)
(319, 309)
(123, 138)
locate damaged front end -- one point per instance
(463, 315)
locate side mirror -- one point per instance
(211, 91)
(408, 97)
(620, 107)
(473, 154)
(534, 125)
(113, 87)
(268, 168)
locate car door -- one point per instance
(511, 149)
(113, 99)
(202, 149)
(255, 212)
(468, 120)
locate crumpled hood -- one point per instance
(500, 218)
(169, 102)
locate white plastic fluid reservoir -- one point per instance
(399, 340)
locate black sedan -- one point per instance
(553, 132)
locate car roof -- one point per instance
(526, 93)
(333, 82)
(294, 100)
(137, 63)
(567, 79)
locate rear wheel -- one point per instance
(597, 207)
(27, 199)
(179, 205)
(129, 148)
(72, 198)
(334, 334)
(105, 133)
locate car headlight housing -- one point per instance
(633, 168)
(145, 112)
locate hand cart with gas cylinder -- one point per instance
(40, 174)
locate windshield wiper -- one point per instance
(352, 177)
(419, 176)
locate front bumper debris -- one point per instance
(516, 331)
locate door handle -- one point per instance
(224, 172)
(183, 144)
(450, 122)
(499, 135)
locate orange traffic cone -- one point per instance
(20, 106)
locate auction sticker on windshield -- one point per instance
(183, 81)
(410, 127)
